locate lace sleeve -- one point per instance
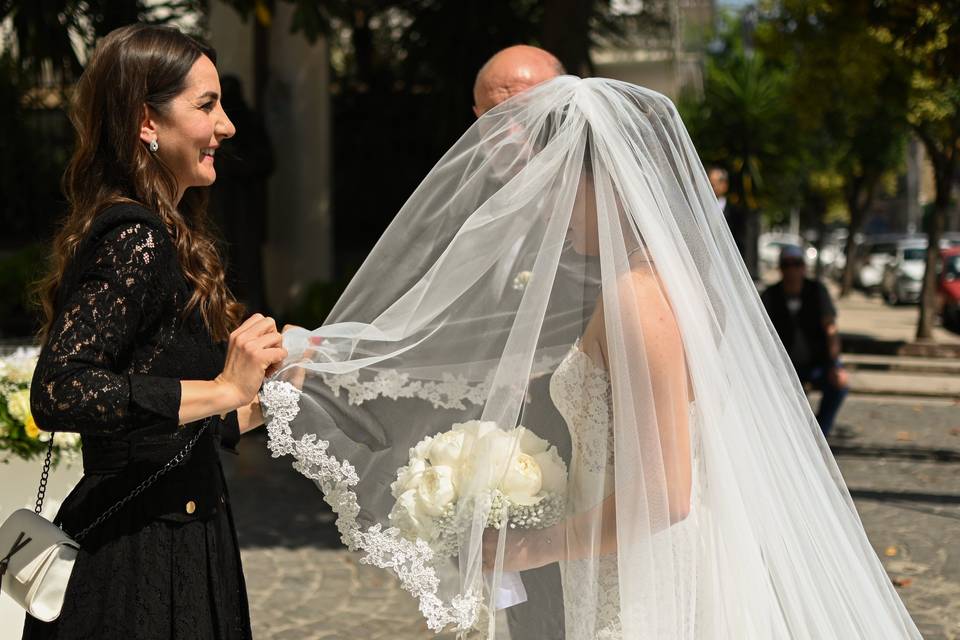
(81, 383)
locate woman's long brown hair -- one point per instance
(135, 66)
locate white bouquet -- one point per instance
(521, 475)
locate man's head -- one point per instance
(792, 266)
(719, 180)
(512, 71)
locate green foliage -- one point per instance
(847, 92)
(742, 122)
(53, 37)
(812, 115)
(924, 37)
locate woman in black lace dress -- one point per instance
(142, 344)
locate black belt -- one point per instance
(110, 456)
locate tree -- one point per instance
(740, 122)
(53, 37)
(924, 35)
(848, 96)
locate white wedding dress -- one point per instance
(582, 394)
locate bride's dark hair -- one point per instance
(134, 66)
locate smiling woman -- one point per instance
(144, 354)
(191, 125)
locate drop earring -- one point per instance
(154, 145)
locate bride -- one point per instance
(554, 356)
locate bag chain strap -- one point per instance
(143, 486)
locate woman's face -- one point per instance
(190, 128)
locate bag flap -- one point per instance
(44, 538)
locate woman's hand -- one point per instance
(523, 549)
(297, 375)
(254, 347)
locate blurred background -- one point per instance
(829, 126)
(836, 122)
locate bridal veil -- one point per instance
(565, 268)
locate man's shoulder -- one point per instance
(772, 290)
(818, 286)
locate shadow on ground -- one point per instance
(274, 506)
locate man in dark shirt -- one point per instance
(806, 320)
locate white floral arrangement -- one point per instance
(526, 487)
(19, 434)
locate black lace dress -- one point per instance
(167, 565)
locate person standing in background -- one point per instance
(806, 321)
(509, 72)
(734, 215)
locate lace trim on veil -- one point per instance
(450, 392)
(384, 548)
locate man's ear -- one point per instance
(476, 111)
(148, 126)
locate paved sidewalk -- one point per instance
(870, 317)
(901, 460)
(868, 325)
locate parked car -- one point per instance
(832, 256)
(948, 289)
(902, 277)
(871, 259)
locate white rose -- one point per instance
(531, 443)
(552, 471)
(436, 490)
(408, 477)
(446, 448)
(422, 448)
(492, 454)
(18, 405)
(523, 480)
(409, 518)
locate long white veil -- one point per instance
(565, 267)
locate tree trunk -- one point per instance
(566, 33)
(821, 226)
(857, 210)
(943, 164)
(362, 39)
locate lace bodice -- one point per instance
(581, 391)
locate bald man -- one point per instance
(512, 71)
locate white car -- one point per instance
(871, 259)
(902, 278)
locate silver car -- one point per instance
(903, 275)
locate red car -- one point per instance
(948, 288)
